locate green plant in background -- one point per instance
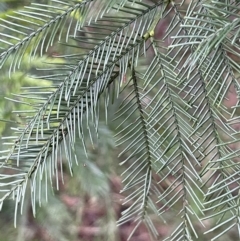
(177, 124)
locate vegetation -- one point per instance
(157, 79)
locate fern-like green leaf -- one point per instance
(179, 118)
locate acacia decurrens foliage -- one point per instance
(181, 152)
